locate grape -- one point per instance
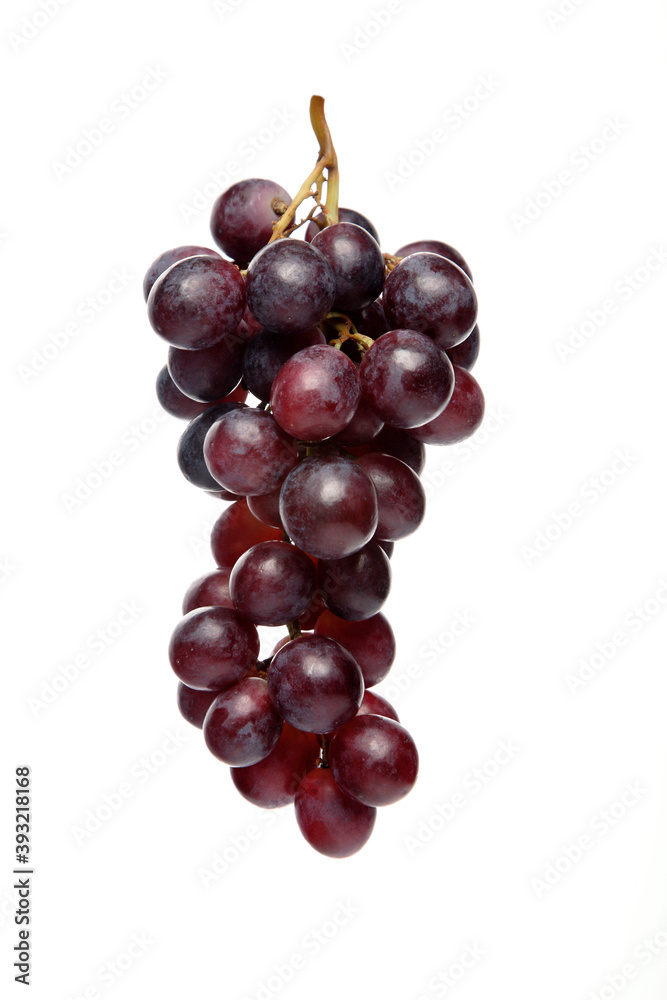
(267, 352)
(242, 726)
(213, 647)
(362, 428)
(210, 374)
(355, 587)
(431, 294)
(290, 287)
(371, 320)
(406, 379)
(435, 246)
(308, 620)
(190, 453)
(248, 453)
(401, 444)
(193, 705)
(273, 781)
(356, 261)
(243, 216)
(344, 215)
(236, 531)
(370, 642)
(266, 508)
(328, 506)
(332, 822)
(315, 684)
(169, 257)
(272, 583)
(463, 416)
(315, 393)
(209, 590)
(401, 497)
(466, 353)
(177, 404)
(374, 759)
(196, 302)
(375, 704)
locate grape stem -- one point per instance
(390, 262)
(324, 748)
(349, 332)
(326, 161)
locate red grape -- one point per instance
(374, 759)
(332, 822)
(375, 704)
(169, 257)
(356, 586)
(273, 781)
(196, 302)
(435, 246)
(371, 642)
(243, 216)
(290, 287)
(315, 393)
(248, 453)
(463, 416)
(356, 261)
(209, 590)
(236, 531)
(193, 705)
(272, 583)
(401, 497)
(212, 648)
(429, 293)
(242, 726)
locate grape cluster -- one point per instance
(356, 359)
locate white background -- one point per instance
(555, 425)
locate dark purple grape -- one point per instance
(401, 444)
(328, 506)
(190, 453)
(193, 705)
(356, 261)
(466, 353)
(266, 508)
(435, 246)
(236, 531)
(462, 417)
(406, 379)
(173, 400)
(315, 393)
(344, 215)
(242, 726)
(272, 583)
(374, 759)
(196, 302)
(375, 704)
(169, 257)
(431, 294)
(332, 822)
(243, 216)
(401, 497)
(315, 684)
(273, 781)
(267, 352)
(212, 648)
(210, 374)
(290, 287)
(209, 590)
(370, 642)
(371, 320)
(248, 453)
(362, 428)
(355, 587)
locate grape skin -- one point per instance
(344, 215)
(209, 374)
(290, 287)
(236, 531)
(196, 302)
(435, 246)
(242, 726)
(356, 261)
(248, 453)
(371, 642)
(332, 822)
(401, 497)
(190, 451)
(328, 506)
(242, 217)
(374, 759)
(466, 353)
(315, 684)
(428, 293)
(193, 705)
(406, 379)
(463, 416)
(273, 781)
(272, 583)
(209, 590)
(212, 648)
(356, 586)
(315, 393)
(266, 354)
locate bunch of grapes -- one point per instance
(357, 359)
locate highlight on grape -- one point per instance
(313, 369)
